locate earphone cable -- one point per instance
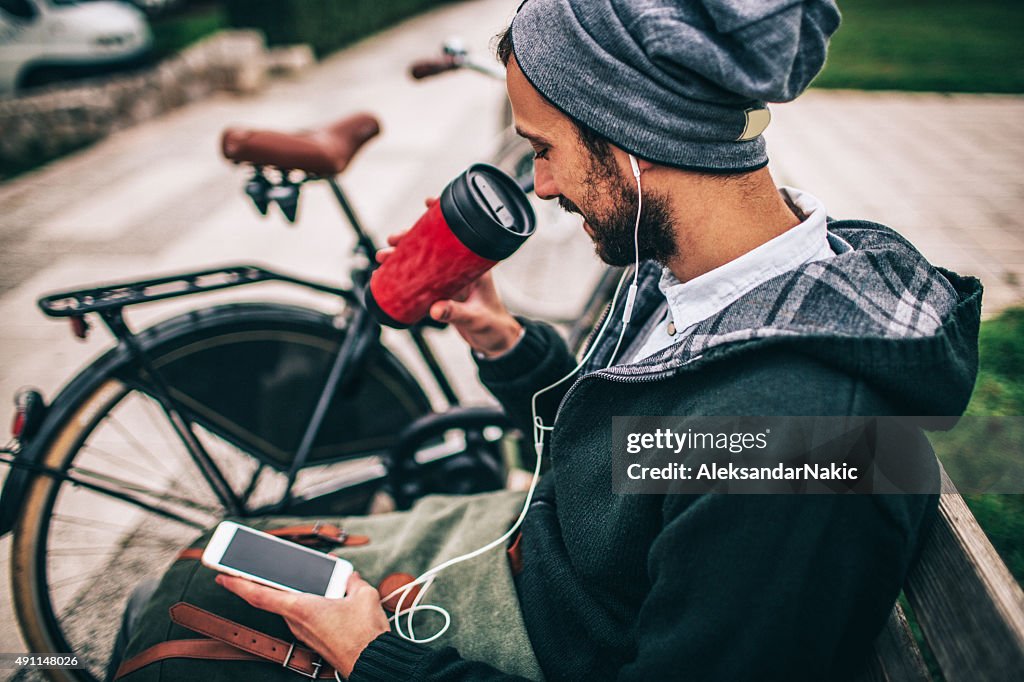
(426, 579)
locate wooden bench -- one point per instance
(968, 605)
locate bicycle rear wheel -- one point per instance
(77, 553)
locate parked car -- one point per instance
(44, 41)
(154, 8)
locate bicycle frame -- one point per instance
(110, 301)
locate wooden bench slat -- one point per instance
(895, 656)
(969, 607)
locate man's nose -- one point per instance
(543, 183)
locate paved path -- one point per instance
(155, 199)
(946, 171)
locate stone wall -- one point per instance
(48, 123)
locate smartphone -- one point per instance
(248, 553)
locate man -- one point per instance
(748, 303)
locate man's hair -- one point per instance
(504, 46)
(596, 144)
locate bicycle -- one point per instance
(182, 424)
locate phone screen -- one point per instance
(281, 563)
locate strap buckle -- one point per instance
(317, 664)
(338, 539)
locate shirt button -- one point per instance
(671, 328)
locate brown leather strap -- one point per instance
(195, 553)
(316, 533)
(288, 654)
(184, 648)
(310, 535)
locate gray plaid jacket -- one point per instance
(881, 291)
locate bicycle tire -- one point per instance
(125, 541)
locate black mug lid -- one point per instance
(488, 212)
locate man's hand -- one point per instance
(337, 629)
(476, 312)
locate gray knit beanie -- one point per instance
(677, 82)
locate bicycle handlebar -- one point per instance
(425, 68)
(454, 57)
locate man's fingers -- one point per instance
(454, 312)
(355, 580)
(441, 311)
(393, 239)
(260, 596)
(356, 584)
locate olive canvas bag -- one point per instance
(487, 623)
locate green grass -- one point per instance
(984, 454)
(1000, 391)
(937, 45)
(173, 33)
(1000, 387)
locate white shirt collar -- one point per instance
(703, 296)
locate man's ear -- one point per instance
(644, 164)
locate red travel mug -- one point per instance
(481, 218)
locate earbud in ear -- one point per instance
(634, 165)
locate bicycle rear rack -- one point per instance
(120, 295)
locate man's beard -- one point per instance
(613, 231)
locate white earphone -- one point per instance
(427, 578)
(627, 311)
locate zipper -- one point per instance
(593, 332)
(618, 378)
(637, 378)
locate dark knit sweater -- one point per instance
(726, 587)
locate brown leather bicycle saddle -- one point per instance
(326, 151)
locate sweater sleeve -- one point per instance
(389, 658)
(539, 359)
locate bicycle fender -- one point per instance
(13, 494)
(70, 398)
